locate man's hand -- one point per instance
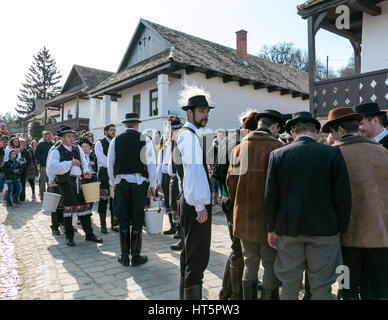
(151, 192)
(88, 176)
(273, 240)
(91, 163)
(76, 163)
(159, 187)
(202, 216)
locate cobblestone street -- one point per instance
(48, 269)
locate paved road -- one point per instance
(45, 268)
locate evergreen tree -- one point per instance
(41, 81)
(36, 129)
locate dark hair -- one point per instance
(11, 142)
(267, 122)
(108, 126)
(348, 125)
(303, 126)
(380, 117)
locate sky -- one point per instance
(96, 33)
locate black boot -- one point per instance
(193, 293)
(172, 228)
(226, 290)
(181, 288)
(93, 238)
(125, 241)
(249, 289)
(87, 226)
(236, 274)
(70, 242)
(178, 246)
(178, 234)
(136, 240)
(103, 222)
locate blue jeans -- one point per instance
(13, 186)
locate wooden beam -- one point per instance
(357, 56)
(45, 116)
(343, 33)
(273, 89)
(305, 96)
(77, 109)
(312, 63)
(318, 21)
(366, 7)
(284, 92)
(259, 85)
(296, 94)
(63, 111)
(227, 79)
(210, 74)
(172, 74)
(190, 70)
(243, 82)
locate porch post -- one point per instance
(93, 113)
(357, 56)
(162, 94)
(106, 109)
(45, 115)
(312, 71)
(63, 111)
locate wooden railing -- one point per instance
(350, 91)
(77, 124)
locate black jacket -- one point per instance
(384, 142)
(41, 152)
(307, 190)
(25, 154)
(12, 170)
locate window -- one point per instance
(154, 102)
(136, 104)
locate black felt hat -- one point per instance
(272, 114)
(197, 101)
(175, 123)
(131, 117)
(85, 141)
(65, 129)
(302, 116)
(368, 109)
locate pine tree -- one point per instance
(41, 81)
(36, 129)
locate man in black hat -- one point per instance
(372, 126)
(131, 164)
(195, 204)
(68, 164)
(304, 225)
(246, 184)
(102, 147)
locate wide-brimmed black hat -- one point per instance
(84, 140)
(272, 114)
(368, 109)
(196, 102)
(64, 129)
(131, 117)
(302, 116)
(175, 123)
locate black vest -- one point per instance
(129, 150)
(105, 146)
(177, 168)
(66, 155)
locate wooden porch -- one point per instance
(77, 124)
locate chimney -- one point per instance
(242, 45)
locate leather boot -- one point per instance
(181, 288)
(226, 290)
(125, 241)
(136, 240)
(268, 294)
(103, 222)
(249, 289)
(178, 246)
(193, 293)
(172, 228)
(236, 274)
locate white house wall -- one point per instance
(375, 40)
(84, 109)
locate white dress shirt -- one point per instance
(58, 168)
(137, 177)
(196, 187)
(102, 159)
(49, 173)
(381, 136)
(87, 157)
(163, 164)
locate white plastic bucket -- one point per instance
(91, 191)
(154, 221)
(51, 201)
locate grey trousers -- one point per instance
(252, 253)
(43, 181)
(319, 256)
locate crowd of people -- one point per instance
(299, 204)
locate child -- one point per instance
(12, 169)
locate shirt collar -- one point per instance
(130, 129)
(264, 130)
(109, 140)
(381, 136)
(191, 126)
(67, 147)
(305, 138)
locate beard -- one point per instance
(201, 123)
